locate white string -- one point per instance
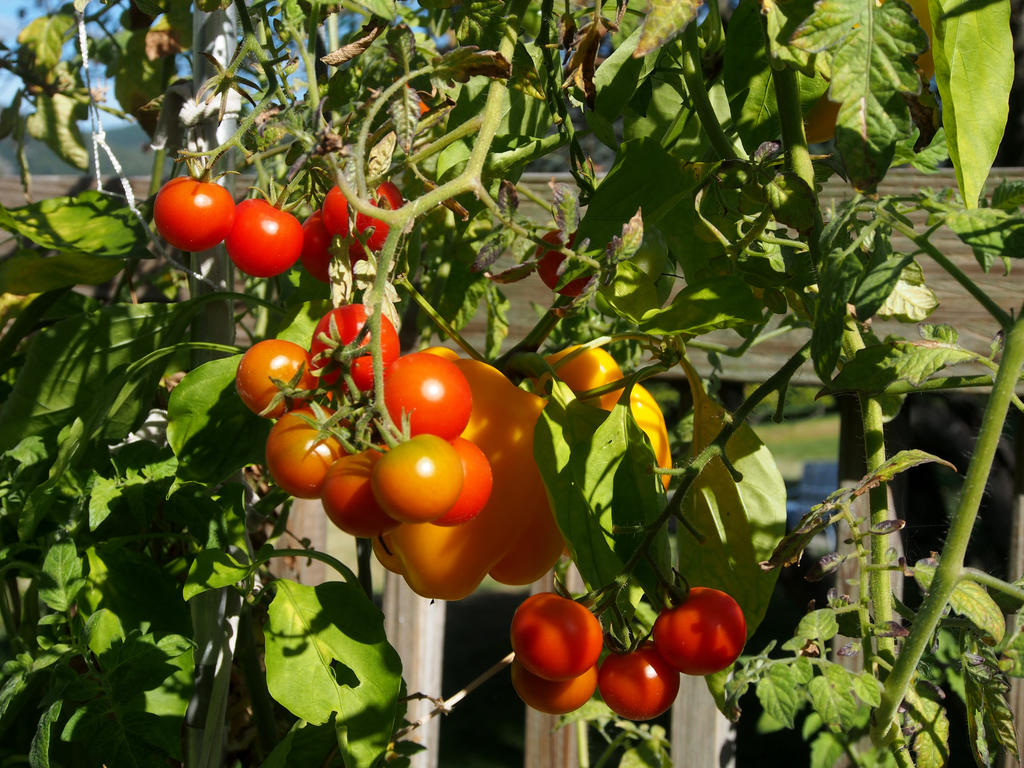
(99, 140)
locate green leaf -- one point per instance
(830, 696)
(1009, 195)
(383, 8)
(638, 179)
(792, 201)
(588, 459)
(39, 750)
(827, 750)
(102, 630)
(61, 579)
(55, 122)
(969, 599)
(992, 233)
(972, 46)
(136, 588)
(818, 627)
(780, 694)
(59, 381)
(664, 20)
(910, 300)
(873, 47)
(989, 719)
(839, 276)
(616, 81)
(719, 302)
(213, 569)
(868, 688)
(303, 745)
(740, 522)
(88, 224)
(43, 39)
(122, 726)
(929, 726)
(203, 409)
(326, 654)
(27, 272)
(874, 368)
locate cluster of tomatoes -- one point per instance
(434, 476)
(558, 645)
(262, 240)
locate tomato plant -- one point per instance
(548, 263)
(477, 482)
(375, 230)
(638, 684)
(555, 638)
(266, 361)
(418, 480)
(264, 241)
(299, 454)
(193, 215)
(347, 496)
(340, 327)
(556, 697)
(430, 392)
(142, 503)
(316, 240)
(702, 635)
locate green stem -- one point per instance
(863, 615)
(947, 574)
(880, 583)
(693, 76)
(798, 156)
(582, 746)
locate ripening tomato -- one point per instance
(193, 215)
(548, 262)
(299, 455)
(477, 481)
(344, 324)
(264, 241)
(431, 391)
(388, 196)
(348, 499)
(419, 480)
(268, 360)
(555, 697)
(638, 685)
(589, 369)
(316, 241)
(334, 213)
(703, 635)
(554, 637)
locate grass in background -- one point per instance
(795, 442)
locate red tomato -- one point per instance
(348, 497)
(388, 196)
(419, 480)
(264, 241)
(639, 685)
(344, 324)
(193, 215)
(556, 697)
(298, 455)
(703, 635)
(268, 360)
(554, 637)
(335, 213)
(433, 393)
(550, 261)
(316, 256)
(477, 480)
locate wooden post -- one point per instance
(701, 735)
(544, 746)
(308, 521)
(415, 627)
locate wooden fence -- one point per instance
(700, 736)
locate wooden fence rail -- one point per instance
(701, 738)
